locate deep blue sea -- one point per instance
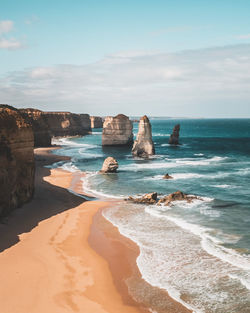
(199, 252)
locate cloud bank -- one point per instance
(212, 82)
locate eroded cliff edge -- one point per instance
(17, 166)
(55, 124)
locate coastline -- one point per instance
(58, 253)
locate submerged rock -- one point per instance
(174, 138)
(117, 131)
(167, 176)
(110, 165)
(143, 145)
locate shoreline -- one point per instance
(69, 256)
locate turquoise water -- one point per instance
(198, 252)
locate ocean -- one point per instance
(199, 252)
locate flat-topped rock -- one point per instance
(117, 131)
(143, 145)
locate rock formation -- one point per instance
(96, 122)
(55, 124)
(151, 198)
(117, 131)
(16, 159)
(143, 145)
(110, 165)
(148, 198)
(167, 176)
(174, 138)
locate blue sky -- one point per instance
(170, 48)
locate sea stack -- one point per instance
(16, 159)
(143, 146)
(96, 122)
(174, 138)
(117, 131)
(110, 165)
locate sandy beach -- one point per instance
(58, 254)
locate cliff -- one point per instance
(42, 134)
(143, 145)
(96, 122)
(117, 131)
(55, 124)
(16, 160)
(174, 138)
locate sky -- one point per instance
(182, 58)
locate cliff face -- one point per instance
(174, 138)
(42, 134)
(16, 160)
(56, 124)
(96, 122)
(117, 131)
(143, 145)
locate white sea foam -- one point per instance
(68, 142)
(160, 135)
(199, 154)
(87, 187)
(223, 186)
(70, 167)
(244, 281)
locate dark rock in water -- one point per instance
(110, 165)
(174, 138)
(117, 131)
(149, 198)
(143, 145)
(167, 176)
(17, 160)
(177, 196)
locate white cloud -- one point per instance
(10, 44)
(247, 36)
(208, 82)
(6, 42)
(6, 26)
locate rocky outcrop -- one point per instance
(151, 198)
(143, 145)
(55, 124)
(174, 138)
(110, 165)
(167, 176)
(117, 131)
(16, 159)
(177, 196)
(96, 122)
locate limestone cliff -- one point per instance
(174, 138)
(96, 122)
(117, 131)
(16, 160)
(143, 145)
(56, 124)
